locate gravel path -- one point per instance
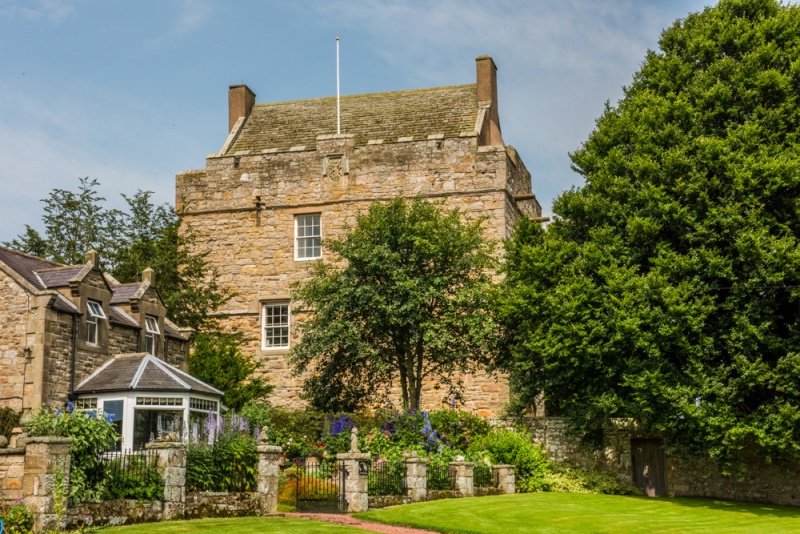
(350, 521)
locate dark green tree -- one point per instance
(75, 222)
(218, 361)
(143, 235)
(667, 289)
(404, 301)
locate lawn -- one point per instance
(237, 525)
(571, 512)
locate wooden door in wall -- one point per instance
(649, 466)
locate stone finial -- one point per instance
(3, 442)
(354, 440)
(93, 258)
(264, 438)
(459, 458)
(149, 276)
(170, 437)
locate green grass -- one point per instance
(237, 525)
(571, 512)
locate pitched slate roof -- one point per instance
(142, 372)
(58, 277)
(450, 111)
(124, 292)
(119, 316)
(28, 267)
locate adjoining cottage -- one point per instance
(73, 333)
(285, 180)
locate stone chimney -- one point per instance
(149, 276)
(93, 258)
(487, 98)
(240, 102)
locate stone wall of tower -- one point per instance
(241, 211)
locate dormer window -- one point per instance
(151, 331)
(96, 313)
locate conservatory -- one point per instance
(145, 397)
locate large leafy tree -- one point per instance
(405, 301)
(667, 289)
(75, 222)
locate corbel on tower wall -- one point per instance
(486, 72)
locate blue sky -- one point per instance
(131, 93)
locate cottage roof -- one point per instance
(28, 267)
(448, 111)
(124, 292)
(142, 372)
(45, 274)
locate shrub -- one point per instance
(91, 433)
(8, 420)
(530, 461)
(223, 457)
(258, 412)
(459, 429)
(576, 479)
(17, 518)
(133, 476)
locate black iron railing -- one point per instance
(387, 478)
(441, 477)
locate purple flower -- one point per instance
(69, 406)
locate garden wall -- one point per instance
(216, 504)
(12, 469)
(113, 513)
(763, 482)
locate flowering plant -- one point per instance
(17, 518)
(91, 431)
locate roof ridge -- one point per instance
(59, 268)
(382, 93)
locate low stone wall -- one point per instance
(483, 492)
(698, 477)
(216, 504)
(435, 495)
(113, 513)
(12, 469)
(382, 501)
(765, 483)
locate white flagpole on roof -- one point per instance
(338, 109)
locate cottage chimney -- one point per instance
(93, 258)
(149, 276)
(240, 102)
(487, 98)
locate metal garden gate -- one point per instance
(320, 486)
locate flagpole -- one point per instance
(338, 109)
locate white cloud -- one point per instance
(191, 16)
(52, 11)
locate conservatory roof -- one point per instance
(142, 372)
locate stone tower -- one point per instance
(284, 180)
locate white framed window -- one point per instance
(275, 325)
(96, 313)
(151, 331)
(308, 236)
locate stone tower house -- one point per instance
(284, 181)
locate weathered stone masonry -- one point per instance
(284, 160)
